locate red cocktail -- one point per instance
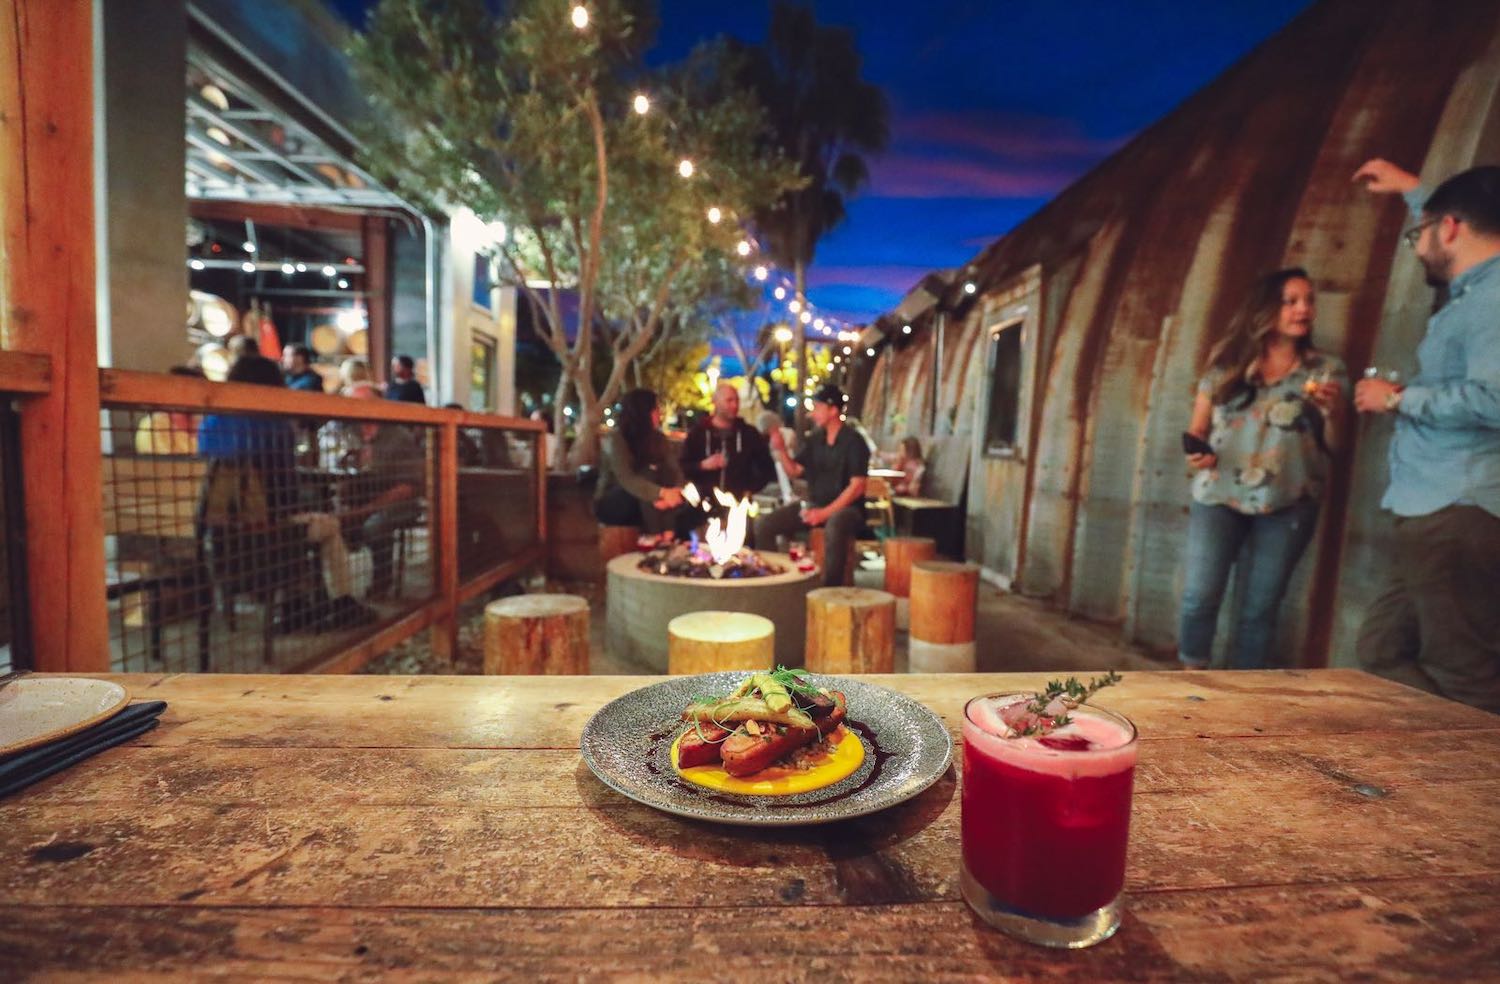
(1045, 822)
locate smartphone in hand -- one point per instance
(1193, 444)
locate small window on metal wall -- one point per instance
(1005, 390)
(483, 282)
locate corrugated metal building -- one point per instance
(1106, 302)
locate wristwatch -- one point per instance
(1392, 400)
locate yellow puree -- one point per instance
(840, 764)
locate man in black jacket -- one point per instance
(725, 452)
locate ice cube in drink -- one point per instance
(1045, 821)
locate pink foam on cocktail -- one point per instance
(1110, 748)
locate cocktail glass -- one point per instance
(1044, 826)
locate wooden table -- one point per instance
(1288, 825)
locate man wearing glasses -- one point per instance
(1437, 624)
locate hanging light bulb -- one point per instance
(641, 104)
(906, 329)
(742, 248)
(580, 16)
(714, 215)
(806, 316)
(780, 293)
(761, 273)
(847, 350)
(969, 287)
(818, 323)
(685, 168)
(795, 306)
(870, 352)
(783, 334)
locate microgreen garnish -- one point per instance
(1071, 693)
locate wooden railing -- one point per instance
(23, 375)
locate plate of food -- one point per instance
(770, 749)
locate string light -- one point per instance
(969, 287)
(743, 248)
(806, 317)
(906, 329)
(714, 215)
(685, 168)
(818, 323)
(870, 352)
(761, 273)
(197, 264)
(795, 306)
(641, 104)
(780, 293)
(783, 335)
(580, 17)
(847, 350)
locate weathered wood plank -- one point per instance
(517, 848)
(1438, 929)
(550, 712)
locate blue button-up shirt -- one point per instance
(1446, 447)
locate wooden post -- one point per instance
(540, 633)
(707, 642)
(616, 540)
(445, 492)
(944, 597)
(376, 250)
(900, 553)
(815, 539)
(850, 630)
(47, 307)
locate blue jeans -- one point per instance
(1264, 550)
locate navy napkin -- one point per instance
(35, 764)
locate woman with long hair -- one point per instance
(1267, 416)
(640, 480)
(910, 462)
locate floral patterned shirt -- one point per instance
(1270, 444)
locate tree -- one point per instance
(528, 118)
(824, 115)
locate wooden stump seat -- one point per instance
(707, 642)
(850, 630)
(617, 540)
(943, 599)
(537, 633)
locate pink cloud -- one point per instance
(913, 176)
(890, 277)
(1013, 138)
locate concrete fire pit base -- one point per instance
(640, 605)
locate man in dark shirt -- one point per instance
(403, 385)
(723, 451)
(300, 375)
(834, 462)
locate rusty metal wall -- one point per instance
(1141, 263)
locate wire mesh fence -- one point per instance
(244, 542)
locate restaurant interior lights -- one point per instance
(197, 264)
(288, 269)
(328, 270)
(248, 267)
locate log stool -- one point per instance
(815, 538)
(943, 599)
(900, 553)
(850, 630)
(707, 642)
(616, 540)
(537, 633)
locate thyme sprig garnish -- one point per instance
(1071, 693)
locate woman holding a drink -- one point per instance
(1267, 415)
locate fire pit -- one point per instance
(642, 602)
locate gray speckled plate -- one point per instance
(628, 746)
